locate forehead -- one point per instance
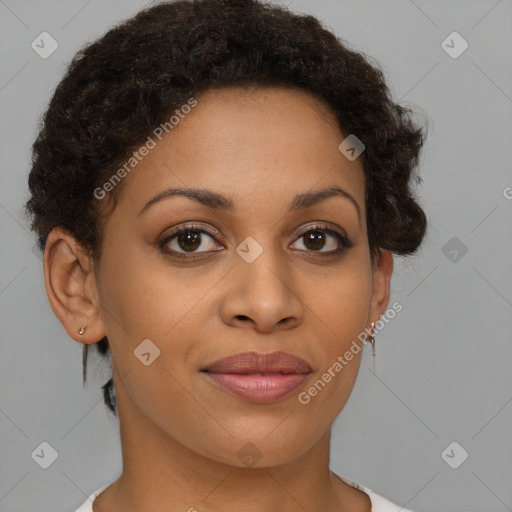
(248, 143)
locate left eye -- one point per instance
(316, 239)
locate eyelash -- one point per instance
(322, 228)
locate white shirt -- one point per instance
(379, 503)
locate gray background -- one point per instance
(443, 369)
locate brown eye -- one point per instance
(314, 240)
(325, 241)
(188, 240)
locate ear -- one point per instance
(71, 286)
(382, 272)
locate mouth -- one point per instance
(259, 378)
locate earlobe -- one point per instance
(68, 273)
(382, 273)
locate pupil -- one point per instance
(189, 240)
(315, 240)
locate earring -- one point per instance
(82, 329)
(372, 339)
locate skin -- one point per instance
(180, 433)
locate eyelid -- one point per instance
(321, 226)
(193, 226)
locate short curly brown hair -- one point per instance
(118, 89)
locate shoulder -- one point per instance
(379, 503)
(87, 505)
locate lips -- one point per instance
(252, 362)
(258, 377)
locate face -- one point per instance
(264, 268)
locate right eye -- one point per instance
(188, 240)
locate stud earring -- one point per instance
(82, 329)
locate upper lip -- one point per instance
(254, 362)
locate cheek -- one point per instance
(341, 311)
(136, 290)
(342, 305)
(133, 307)
(149, 300)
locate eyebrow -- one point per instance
(215, 200)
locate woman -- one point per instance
(218, 188)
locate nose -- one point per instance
(262, 295)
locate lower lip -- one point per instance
(259, 388)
